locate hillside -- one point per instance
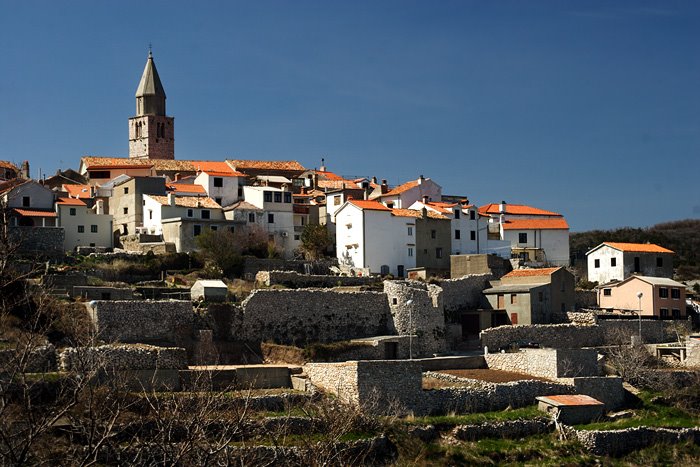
(682, 236)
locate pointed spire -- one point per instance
(150, 95)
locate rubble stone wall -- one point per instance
(296, 280)
(464, 293)
(122, 357)
(98, 293)
(37, 360)
(138, 321)
(620, 442)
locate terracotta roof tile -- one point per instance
(415, 213)
(244, 206)
(638, 247)
(34, 213)
(187, 188)
(8, 165)
(329, 175)
(571, 400)
(188, 201)
(77, 191)
(336, 184)
(516, 209)
(536, 224)
(70, 201)
(368, 204)
(401, 188)
(531, 272)
(219, 169)
(240, 164)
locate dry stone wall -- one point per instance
(296, 280)
(37, 360)
(122, 357)
(509, 429)
(620, 442)
(547, 363)
(132, 321)
(464, 293)
(302, 316)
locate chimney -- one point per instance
(177, 176)
(421, 179)
(426, 198)
(374, 180)
(365, 193)
(384, 186)
(323, 165)
(92, 191)
(24, 171)
(424, 213)
(171, 199)
(502, 211)
(100, 207)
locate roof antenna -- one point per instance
(150, 52)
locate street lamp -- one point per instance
(639, 314)
(410, 329)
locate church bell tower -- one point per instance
(151, 132)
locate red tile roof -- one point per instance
(187, 188)
(8, 165)
(218, 169)
(329, 175)
(368, 204)
(638, 247)
(240, 164)
(401, 188)
(571, 400)
(70, 201)
(415, 213)
(516, 209)
(445, 208)
(536, 224)
(34, 213)
(531, 272)
(77, 191)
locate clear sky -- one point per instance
(588, 108)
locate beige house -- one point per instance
(531, 296)
(82, 225)
(655, 296)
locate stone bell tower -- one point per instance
(151, 132)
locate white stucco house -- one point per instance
(84, 226)
(220, 182)
(616, 261)
(404, 195)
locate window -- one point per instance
(607, 292)
(456, 213)
(126, 211)
(410, 252)
(676, 313)
(197, 230)
(596, 263)
(26, 201)
(613, 262)
(218, 201)
(433, 234)
(206, 214)
(232, 229)
(472, 235)
(663, 292)
(664, 312)
(394, 300)
(287, 197)
(522, 237)
(297, 237)
(93, 228)
(99, 174)
(150, 213)
(214, 227)
(267, 196)
(438, 253)
(270, 218)
(240, 192)
(472, 214)
(81, 229)
(563, 307)
(676, 294)
(659, 262)
(190, 213)
(126, 190)
(458, 234)
(251, 217)
(390, 205)
(410, 231)
(513, 299)
(71, 211)
(278, 197)
(218, 182)
(336, 200)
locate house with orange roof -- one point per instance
(220, 181)
(254, 168)
(532, 296)
(404, 195)
(616, 261)
(125, 202)
(536, 236)
(31, 204)
(82, 224)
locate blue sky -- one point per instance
(588, 108)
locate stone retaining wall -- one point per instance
(37, 360)
(102, 293)
(131, 321)
(122, 357)
(621, 442)
(464, 293)
(296, 280)
(509, 429)
(547, 363)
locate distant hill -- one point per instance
(683, 237)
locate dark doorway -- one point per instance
(470, 326)
(636, 264)
(391, 350)
(399, 269)
(513, 318)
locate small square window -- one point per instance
(251, 217)
(676, 293)
(287, 197)
(278, 197)
(438, 253)
(522, 237)
(433, 234)
(26, 201)
(613, 262)
(126, 210)
(93, 228)
(596, 263)
(218, 182)
(214, 227)
(457, 213)
(296, 237)
(81, 229)
(270, 218)
(663, 292)
(607, 292)
(659, 262)
(458, 234)
(664, 312)
(206, 214)
(71, 211)
(218, 201)
(472, 214)
(126, 190)
(267, 196)
(197, 230)
(472, 235)
(190, 213)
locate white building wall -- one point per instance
(605, 273)
(349, 244)
(554, 242)
(89, 221)
(228, 192)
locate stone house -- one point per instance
(660, 297)
(531, 296)
(126, 202)
(535, 235)
(615, 261)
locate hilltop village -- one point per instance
(301, 291)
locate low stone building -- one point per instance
(209, 291)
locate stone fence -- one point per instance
(621, 442)
(102, 293)
(36, 360)
(39, 241)
(296, 280)
(122, 357)
(465, 292)
(547, 363)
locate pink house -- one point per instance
(660, 297)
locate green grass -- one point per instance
(475, 418)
